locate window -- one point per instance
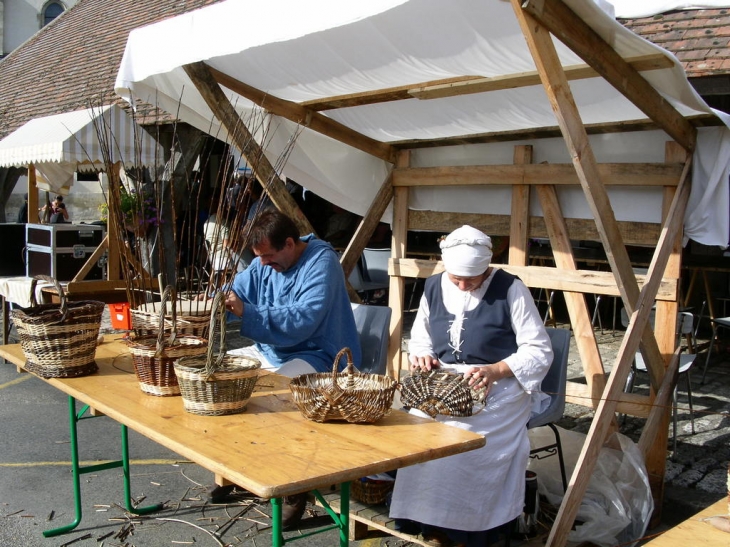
(51, 11)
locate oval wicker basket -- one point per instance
(440, 392)
(217, 385)
(59, 340)
(154, 357)
(351, 395)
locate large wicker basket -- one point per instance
(351, 395)
(440, 392)
(154, 356)
(59, 340)
(192, 317)
(217, 385)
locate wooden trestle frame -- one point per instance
(538, 19)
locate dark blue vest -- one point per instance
(487, 335)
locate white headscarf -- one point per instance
(466, 252)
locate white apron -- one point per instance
(480, 489)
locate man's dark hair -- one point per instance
(274, 226)
(59, 198)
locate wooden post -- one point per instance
(32, 196)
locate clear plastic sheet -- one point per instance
(617, 504)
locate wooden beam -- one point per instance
(465, 85)
(632, 404)
(520, 212)
(367, 226)
(524, 79)
(92, 260)
(307, 117)
(396, 290)
(632, 233)
(571, 30)
(699, 120)
(244, 141)
(612, 174)
(541, 277)
(580, 319)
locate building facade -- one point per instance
(21, 19)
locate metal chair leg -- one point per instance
(709, 352)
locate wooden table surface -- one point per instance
(696, 532)
(270, 449)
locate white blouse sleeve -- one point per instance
(420, 344)
(531, 361)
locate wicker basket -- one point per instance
(216, 386)
(154, 357)
(440, 392)
(59, 340)
(371, 492)
(351, 395)
(193, 319)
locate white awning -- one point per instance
(325, 49)
(73, 137)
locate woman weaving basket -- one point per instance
(481, 322)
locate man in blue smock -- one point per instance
(293, 303)
(292, 299)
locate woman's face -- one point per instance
(468, 284)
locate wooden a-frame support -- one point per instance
(537, 20)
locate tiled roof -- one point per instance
(72, 63)
(700, 39)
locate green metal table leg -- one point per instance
(127, 483)
(277, 537)
(344, 513)
(77, 470)
(341, 521)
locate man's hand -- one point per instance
(425, 363)
(234, 304)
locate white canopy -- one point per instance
(630, 9)
(62, 144)
(305, 51)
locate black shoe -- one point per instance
(292, 510)
(220, 494)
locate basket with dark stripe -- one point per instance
(154, 356)
(440, 392)
(59, 340)
(213, 385)
(351, 395)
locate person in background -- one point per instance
(293, 303)
(23, 211)
(57, 211)
(481, 322)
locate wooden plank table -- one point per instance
(271, 449)
(696, 532)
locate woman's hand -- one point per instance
(480, 377)
(425, 363)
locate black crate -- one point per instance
(64, 235)
(61, 263)
(13, 243)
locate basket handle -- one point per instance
(61, 294)
(218, 313)
(167, 294)
(334, 392)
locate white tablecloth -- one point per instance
(17, 290)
